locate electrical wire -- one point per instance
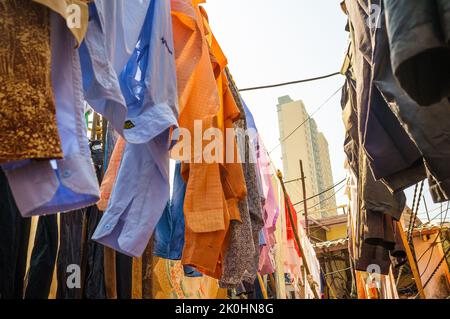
(289, 83)
(435, 270)
(300, 211)
(437, 237)
(428, 262)
(307, 119)
(323, 192)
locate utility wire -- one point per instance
(304, 122)
(435, 270)
(322, 200)
(327, 190)
(289, 83)
(439, 215)
(437, 237)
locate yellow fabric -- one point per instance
(169, 282)
(62, 8)
(136, 279)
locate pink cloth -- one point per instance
(271, 212)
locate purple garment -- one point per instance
(270, 207)
(48, 187)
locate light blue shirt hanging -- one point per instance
(148, 87)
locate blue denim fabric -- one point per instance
(169, 233)
(262, 239)
(191, 272)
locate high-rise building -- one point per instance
(301, 140)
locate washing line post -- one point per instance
(411, 260)
(310, 280)
(305, 206)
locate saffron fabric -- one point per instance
(207, 231)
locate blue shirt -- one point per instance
(143, 111)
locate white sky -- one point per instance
(273, 41)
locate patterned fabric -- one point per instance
(27, 109)
(207, 222)
(241, 259)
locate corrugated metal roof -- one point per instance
(331, 243)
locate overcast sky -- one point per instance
(272, 41)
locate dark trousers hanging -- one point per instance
(124, 265)
(43, 258)
(94, 282)
(71, 233)
(14, 236)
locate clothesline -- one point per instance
(289, 83)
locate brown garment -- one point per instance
(28, 127)
(110, 273)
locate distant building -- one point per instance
(301, 140)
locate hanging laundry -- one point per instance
(63, 8)
(70, 183)
(149, 89)
(425, 126)
(169, 233)
(14, 237)
(421, 67)
(207, 223)
(382, 155)
(290, 210)
(69, 253)
(199, 101)
(28, 117)
(392, 155)
(242, 246)
(43, 258)
(110, 177)
(94, 286)
(263, 195)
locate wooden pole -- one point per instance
(305, 206)
(263, 287)
(297, 239)
(412, 261)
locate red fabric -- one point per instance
(289, 229)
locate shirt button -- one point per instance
(67, 173)
(108, 226)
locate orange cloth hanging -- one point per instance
(213, 190)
